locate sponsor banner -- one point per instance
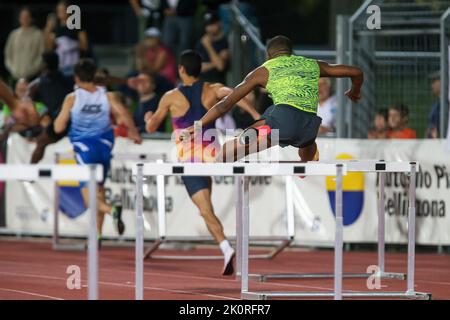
(30, 205)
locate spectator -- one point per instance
(379, 130)
(327, 106)
(213, 48)
(155, 58)
(178, 26)
(24, 48)
(148, 9)
(144, 84)
(398, 123)
(69, 44)
(432, 131)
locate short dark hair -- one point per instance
(279, 43)
(382, 112)
(51, 61)
(401, 108)
(192, 62)
(85, 70)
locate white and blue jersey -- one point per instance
(91, 131)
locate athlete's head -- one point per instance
(279, 46)
(190, 64)
(85, 71)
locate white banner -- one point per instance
(29, 207)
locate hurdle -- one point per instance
(240, 170)
(91, 174)
(61, 156)
(285, 240)
(366, 166)
(351, 166)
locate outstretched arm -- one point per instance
(257, 77)
(244, 103)
(344, 71)
(122, 116)
(154, 120)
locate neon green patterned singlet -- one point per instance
(293, 80)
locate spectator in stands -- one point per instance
(155, 58)
(432, 131)
(213, 48)
(144, 84)
(379, 130)
(24, 48)
(398, 123)
(178, 26)
(51, 88)
(327, 107)
(148, 9)
(69, 44)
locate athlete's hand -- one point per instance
(187, 134)
(353, 95)
(134, 136)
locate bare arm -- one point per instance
(218, 59)
(244, 103)
(123, 117)
(7, 96)
(257, 77)
(83, 39)
(63, 117)
(344, 71)
(136, 7)
(154, 120)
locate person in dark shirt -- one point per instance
(145, 86)
(213, 48)
(69, 44)
(51, 88)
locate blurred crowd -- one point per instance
(41, 65)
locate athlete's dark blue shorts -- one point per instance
(94, 151)
(194, 184)
(296, 128)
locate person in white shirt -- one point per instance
(327, 107)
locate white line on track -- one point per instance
(30, 293)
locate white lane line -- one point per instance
(30, 293)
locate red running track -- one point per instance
(32, 270)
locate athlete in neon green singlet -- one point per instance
(292, 81)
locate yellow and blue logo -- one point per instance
(71, 201)
(353, 193)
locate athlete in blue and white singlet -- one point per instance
(89, 110)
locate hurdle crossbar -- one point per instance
(243, 170)
(284, 241)
(380, 167)
(91, 174)
(61, 156)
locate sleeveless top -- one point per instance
(191, 151)
(293, 80)
(90, 115)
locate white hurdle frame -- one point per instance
(381, 167)
(366, 166)
(91, 174)
(81, 246)
(243, 170)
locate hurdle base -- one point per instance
(69, 246)
(266, 295)
(282, 276)
(149, 253)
